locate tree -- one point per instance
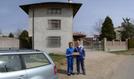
(25, 40)
(107, 30)
(0, 32)
(18, 32)
(128, 29)
(98, 26)
(11, 35)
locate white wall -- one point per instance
(41, 32)
(115, 45)
(6, 43)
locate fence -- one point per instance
(115, 45)
(93, 44)
(106, 45)
(6, 43)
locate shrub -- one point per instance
(131, 43)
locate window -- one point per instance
(35, 60)
(54, 11)
(54, 24)
(54, 41)
(10, 63)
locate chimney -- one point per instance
(70, 1)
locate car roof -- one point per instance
(19, 51)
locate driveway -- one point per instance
(125, 70)
(99, 65)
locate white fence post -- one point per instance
(127, 44)
(105, 44)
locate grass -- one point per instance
(58, 59)
(127, 52)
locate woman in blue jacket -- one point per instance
(69, 56)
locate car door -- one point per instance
(38, 66)
(11, 67)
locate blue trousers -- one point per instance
(69, 64)
(80, 62)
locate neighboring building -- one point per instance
(96, 37)
(118, 32)
(51, 24)
(79, 36)
(6, 43)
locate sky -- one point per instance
(12, 17)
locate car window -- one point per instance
(10, 63)
(35, 60)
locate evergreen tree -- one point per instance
(107, 30)
(11, 35)
(25, 41)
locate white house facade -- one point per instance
(51, 24)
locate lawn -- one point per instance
(58, 59)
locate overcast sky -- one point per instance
(92, 11)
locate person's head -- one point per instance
(70, 44)
(77, 43)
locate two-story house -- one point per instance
(51, 24)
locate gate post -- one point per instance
(105, 44)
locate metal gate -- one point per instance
(94, 44)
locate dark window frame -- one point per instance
(54, 11)
(54, 24)
(50, 43)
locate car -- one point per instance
(26, 64)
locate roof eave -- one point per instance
(75, 6)
(25, 8)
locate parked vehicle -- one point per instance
(26, 64)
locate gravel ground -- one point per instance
(125, 70)
(99, 65)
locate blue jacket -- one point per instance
(69, 52)
(81, 51)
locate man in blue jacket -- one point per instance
(69, 55)
(80, 58)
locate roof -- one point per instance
(79, 34)
(75, 6)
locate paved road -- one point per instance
(125, 70)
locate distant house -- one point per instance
(51, 24)
(118, 32)
(79, 36)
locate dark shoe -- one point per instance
(84, 73)
(78, 73)
(69, 74)
(72, 73)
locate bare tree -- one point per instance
(132, 20)
(18, 32)
(98, 25)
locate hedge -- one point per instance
(131, 43)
